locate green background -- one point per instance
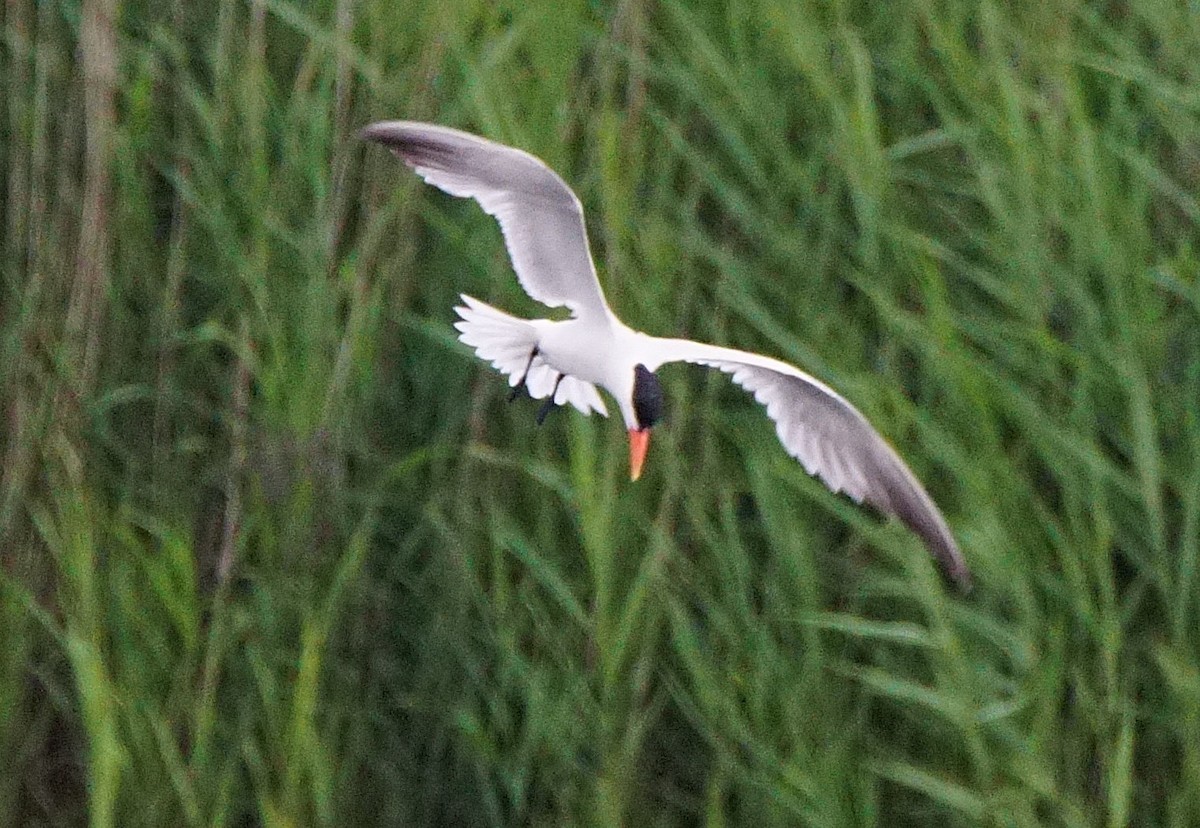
(275, 551)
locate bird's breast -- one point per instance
(587, 351)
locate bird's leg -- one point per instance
(548, 405)
(520, 386)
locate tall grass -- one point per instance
(275, 551)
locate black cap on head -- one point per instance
(647, 397)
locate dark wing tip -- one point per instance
(371, 132)
(950, 561)
(916, 510)
(395, 135)
(416, 144)
(387, 133)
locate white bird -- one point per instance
(565, 361)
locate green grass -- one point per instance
(274, 550)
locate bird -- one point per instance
(568, 360)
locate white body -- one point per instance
(608, 361)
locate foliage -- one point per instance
(274, 550)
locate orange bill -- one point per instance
(639, 441)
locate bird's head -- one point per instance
(647, 399)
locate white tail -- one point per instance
(506, 342)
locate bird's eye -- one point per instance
(647, 397)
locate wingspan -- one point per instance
(832, 440)
(541, 218)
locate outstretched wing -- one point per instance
(832, 440)
(540, 216)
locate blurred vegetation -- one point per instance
(274, 550)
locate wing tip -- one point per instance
(383, 132)
(428, 149)
(908, 501)
(372, 132)
(951, 563)
(927, 523)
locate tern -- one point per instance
(567, 361)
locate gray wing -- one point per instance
(832, 440)
(540, 216)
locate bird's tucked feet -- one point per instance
(520, 386)
(548, 405)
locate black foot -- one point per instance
(520, 386)
(548, 405)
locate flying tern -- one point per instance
(567, 361)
